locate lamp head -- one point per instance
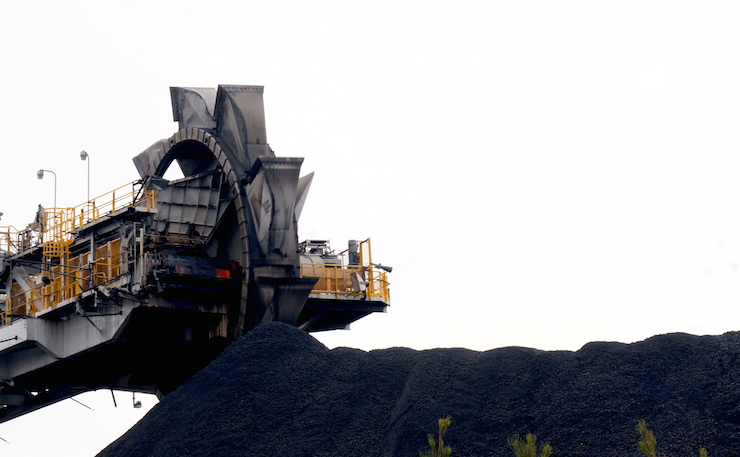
(385, 268)
(83, 155)
(40, 174)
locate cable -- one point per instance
(77, 401)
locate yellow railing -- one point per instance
(59, 222)
(63, 277)
(62, 282)
(337, 279)
(55, 224)
(13, 241)
(8, 242)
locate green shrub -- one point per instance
(439, 448)
(648, 445)
(527, 447)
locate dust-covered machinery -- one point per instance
(140, 288)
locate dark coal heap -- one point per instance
(279, 392)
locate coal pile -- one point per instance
(279, 392)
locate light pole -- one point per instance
(40, 175)
(86, 157)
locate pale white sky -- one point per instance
(538, 173)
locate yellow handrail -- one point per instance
(54, 232)
(55, 224)
(58, 223)
(337, 279)
(13, 241)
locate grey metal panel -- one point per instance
(53, 340)
(240, 118)
(303, 185)
(193, 106)
(272, 199)
(147, 162)
(187, 203)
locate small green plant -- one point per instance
(527, 447)
(439, 448)
(648, 445)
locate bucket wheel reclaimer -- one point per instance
(140, 294)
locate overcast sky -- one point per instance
(538, 173)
